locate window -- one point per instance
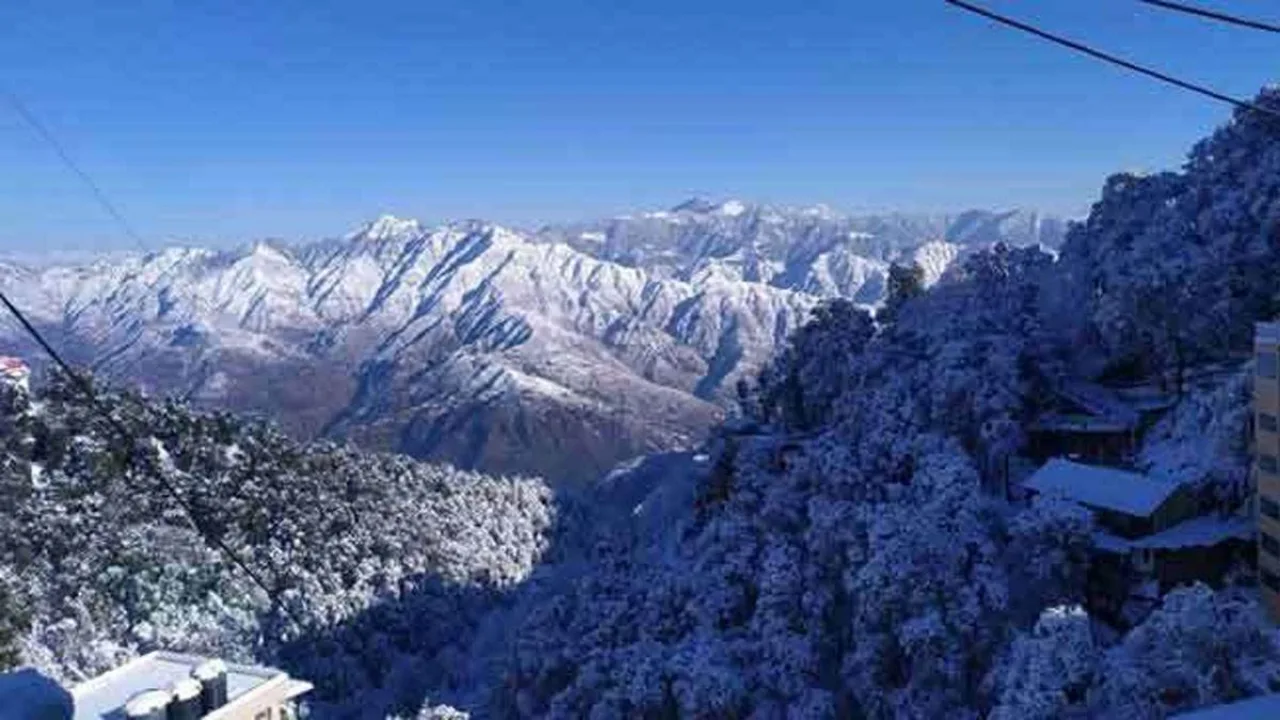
(1270, 580)
(1269, 544)
(1267, 363)
(1268, 422)
(1143, 560)
(1268, 507)
(1267, 463)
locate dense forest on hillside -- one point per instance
(109, 565)
(834, 552)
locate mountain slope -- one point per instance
(813, 250)
(481, 345)
(465, 342)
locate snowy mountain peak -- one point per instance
(703, 206)
(698, 205)
(732, 208)
(389, 227)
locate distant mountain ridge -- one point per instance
(812, 249)
(557, 352)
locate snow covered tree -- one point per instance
(1049, 671)
(816, 365)
(1199, 648)
(13, 619)
(388, 563)
(904, 283)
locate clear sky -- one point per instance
(221, 121)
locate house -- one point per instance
(1129, 508)
(1085, 421)
(1266, 457)
(165, 686)
(1196, 550)
(1081, 436)
(1125, 504)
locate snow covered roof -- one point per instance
(1101, 487)
(1104, 540)
(1205, 531)
(104, 697)
(1066, 422)
(1265, 707)
(1097, 400)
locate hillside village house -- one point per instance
(1086, 422)
(157, 686)
(1149, 538)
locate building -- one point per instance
(1266, 449)
(1148, 540)
(165, 686)
(1084, 421)
(1126, 504)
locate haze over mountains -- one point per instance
(558, 352)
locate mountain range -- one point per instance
(557, 351)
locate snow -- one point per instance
(1205, 531)
(1098, 400)
(108, 693)
(1202, 532)
(387, 227)
(1266, 707)
(1101, 487)
(732, 208)
(1062, 422)
(1110, 543)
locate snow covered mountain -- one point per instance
(559, 352)
(813, 250)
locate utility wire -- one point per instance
(45, 134)
(1213, 15)
(86, 388)
(1114, 60)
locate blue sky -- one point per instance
(220, 122)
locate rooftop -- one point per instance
(1079, 422)
(1097, 400)
(1266, 707)
(1204, 531)
(104, 697)
(1101, 487)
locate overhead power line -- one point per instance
(1213, 15)
(86, 388)
(45, 134)
(1113, 59)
